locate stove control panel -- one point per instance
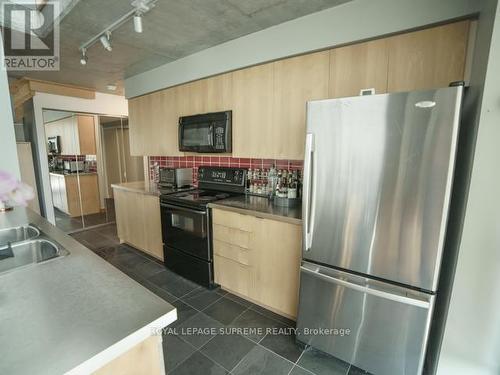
(221, 175)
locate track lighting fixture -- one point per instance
(138, 23)
(106, 41)
(139, 8)
(84, 58)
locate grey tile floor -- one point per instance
(70, 224)
(216, 332)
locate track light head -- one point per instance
(106, 41)
(84, 58)
(138, 22)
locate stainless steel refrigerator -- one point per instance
(378, 172)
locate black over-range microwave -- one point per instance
(207, 133)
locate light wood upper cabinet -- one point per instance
(296, 81)
(359, 66)
(428, 58)
(86, 134)
(153, 123)
(253, 111)
(269, 100)
(136, 107)
(77, 134)
(219, 91)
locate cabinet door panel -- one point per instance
(121, 213)
(234, 276)
(232, 236)
(169, 133)
(86, 135)
(277, 266)
(253, 112)
(152, 226)
(137, 109)
(233, 220)
(359, 66)
(430, 58)
(296, 81)
(233, 252)
(219, 91)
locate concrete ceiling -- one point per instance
(172, 29)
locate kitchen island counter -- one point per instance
(72, 314)
(138, 187)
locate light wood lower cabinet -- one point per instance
(144, 358)
(138, 221)
(258, 259)
(75, 195)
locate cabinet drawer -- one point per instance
(232, 220)
(232, 236)
(233, 252)
(233, 275)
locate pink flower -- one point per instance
(13, 191)
(8, 183)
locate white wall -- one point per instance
(8, 149)
(103, 104)
(347, 23)
(471, 343)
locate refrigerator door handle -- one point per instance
(308, 203)
(368, 290)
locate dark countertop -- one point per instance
(260, 207)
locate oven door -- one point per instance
(197, 137)
(186, 230)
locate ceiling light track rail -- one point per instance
(140, 8)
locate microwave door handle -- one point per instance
(211, 135)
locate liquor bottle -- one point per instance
(272, 178)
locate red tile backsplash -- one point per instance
(218, 161)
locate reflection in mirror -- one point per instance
(65, 161)
(118, 165)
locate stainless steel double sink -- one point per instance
(26, 245)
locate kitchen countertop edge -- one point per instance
(256, 213)
(114, 351)
(129, 331)
(137, 187)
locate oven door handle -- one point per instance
(182, 208)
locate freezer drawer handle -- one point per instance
(367, 290)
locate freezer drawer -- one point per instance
(382, 328)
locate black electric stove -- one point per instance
(186, 222)
(197, 199)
